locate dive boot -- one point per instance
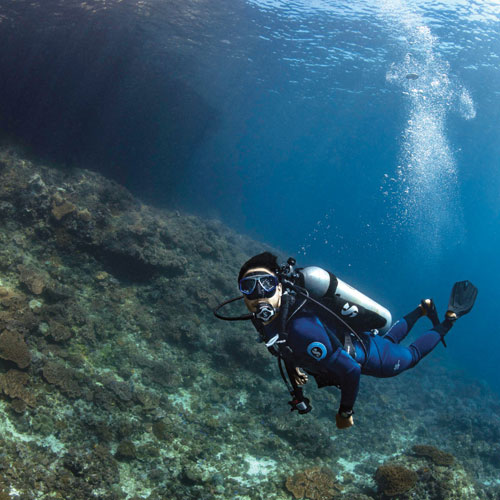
(429, 309)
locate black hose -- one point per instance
(244, 317)
(289, 386)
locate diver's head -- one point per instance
(259, 283)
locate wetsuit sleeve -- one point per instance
(347, 372)
(308, 332)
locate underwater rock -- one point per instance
(395, 479)
(14, 348)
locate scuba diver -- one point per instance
(313, 322)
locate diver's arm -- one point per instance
(307, 332)
(295, 373)
(348, 373)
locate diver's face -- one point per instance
(274, 300)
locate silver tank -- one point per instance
(353, 306)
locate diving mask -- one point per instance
(258, 285)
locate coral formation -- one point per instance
(13, 384)
(61, 207)
(313, 484)
(395, 479)
(34, 281)
(57, 374)
(437, 456)
(14, 348)
(126, 450)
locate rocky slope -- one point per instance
(117, 382)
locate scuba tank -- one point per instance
(359, 311)
(350, 306)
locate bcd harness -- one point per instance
(279, 347)
(301, 284)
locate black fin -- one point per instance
(462, 298)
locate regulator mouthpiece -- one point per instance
(264, 312)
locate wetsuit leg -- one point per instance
(397, 332)
(402, 328)
(388, 359)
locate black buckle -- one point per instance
(349, 345)
(302, 406)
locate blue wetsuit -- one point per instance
(311, 336)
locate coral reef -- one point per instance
(413, 475)
(14, 348)
(13, 384)
(313, 484)
(437, 456)
(395, 479)
(116, 381)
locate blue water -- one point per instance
(359, 136)
(330, 149)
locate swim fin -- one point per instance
(462, 298)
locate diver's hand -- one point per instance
(300, 377)
(344, 422)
